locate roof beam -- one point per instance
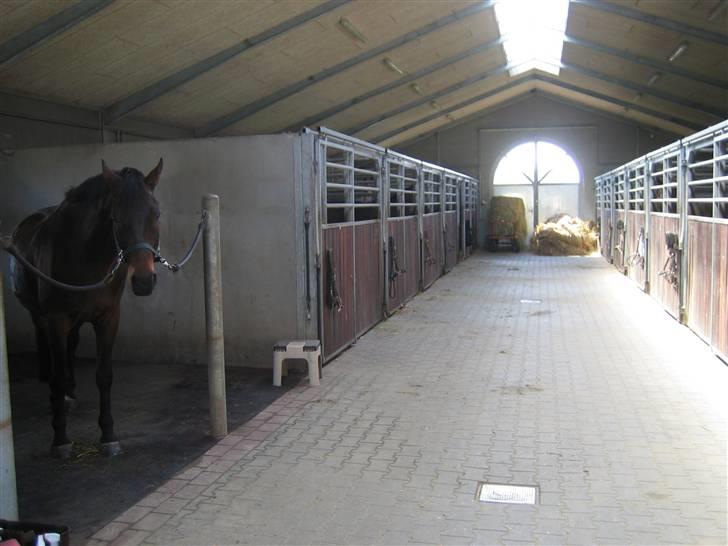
(624, 104)
(680, 101)
(260, 104)
(159, 88)
(54, 25)
(537, 77)
(429, 98)
(446, 111)
(662, 22)
(426, 71)
(659, 65)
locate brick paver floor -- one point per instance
(594, 395)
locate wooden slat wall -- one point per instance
(720, 293)
(700, 266)
(432, 240)
(338, 326)
(637, 271)
(660, 289)
(369, 275)
(451, 239)
(406, 284)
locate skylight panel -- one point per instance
(533, 32)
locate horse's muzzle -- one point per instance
(143, 285)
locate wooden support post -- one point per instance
(213, 317)
(8, 491)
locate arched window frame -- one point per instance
(527, 180)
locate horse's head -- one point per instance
(135, 219)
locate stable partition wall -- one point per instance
(618, 221)
(450, 220)
(403, 230)
(683, 188)
(605, 235)
(469, 199)
(635, 229)
(664, 228)
(352, 277)
(433, 254)
(706, 196)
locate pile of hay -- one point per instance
(507, 217)
(564, 235)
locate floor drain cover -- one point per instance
(530, 301)
(509, 494)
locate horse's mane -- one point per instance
(96, 189)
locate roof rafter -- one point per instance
(311, 120)
(662, 22)
(619, 102)
(477, 78)
(54, 25)
(459, 106)
(653, 63)
(533, 77)
(159, 88)
(260, 104)
(680, 101)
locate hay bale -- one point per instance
(564, 235)
(507, 217)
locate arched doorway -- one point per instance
(544, 174)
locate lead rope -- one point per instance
(671, 269)
(333, 296)
(8, 246)
(394, 270)
(428, 255)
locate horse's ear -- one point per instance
(107, 173)
(152, 179)
(110, 177)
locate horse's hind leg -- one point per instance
(58, 330)
(73, 338)
(44, 352)
(106, 329)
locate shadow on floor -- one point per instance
(161, 418)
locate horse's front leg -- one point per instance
(73, 338)
(57, 333)
(106, 328)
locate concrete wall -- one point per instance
(260, 183)
(597, 142)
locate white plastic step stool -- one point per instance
(307, 349)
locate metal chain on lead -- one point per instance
(8, 246)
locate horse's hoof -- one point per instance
(70, 402)
(110, 449)
(62, 452)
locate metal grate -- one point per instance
(507, 494)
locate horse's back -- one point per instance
(22, 281)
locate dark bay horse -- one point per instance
(110, 219)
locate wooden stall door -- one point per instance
(660, 288)
(405, 285)
(451, 240)
(636, 265)
(369, 275)
(338, 324)
(700, 269)
(431, 249)
(720, 294)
